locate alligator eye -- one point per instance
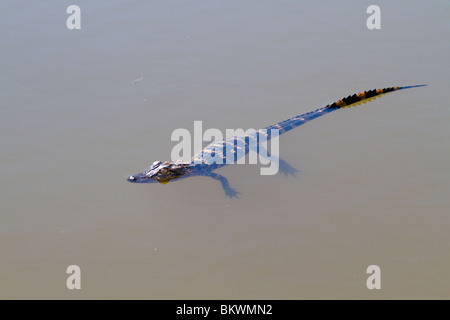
(163, 171)
(176, 169)
(155, 164)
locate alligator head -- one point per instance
(161, 172)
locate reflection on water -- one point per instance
(82, 110)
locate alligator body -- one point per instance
(163, 172)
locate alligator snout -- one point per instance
(132, 179)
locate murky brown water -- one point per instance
(374, 181)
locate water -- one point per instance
(81, 110)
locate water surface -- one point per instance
(81, 110)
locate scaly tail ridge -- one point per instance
(365, 96)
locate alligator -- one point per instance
(163, 172)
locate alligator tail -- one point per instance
(350, 101)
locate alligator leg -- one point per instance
(285, 168)
(229, 192)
